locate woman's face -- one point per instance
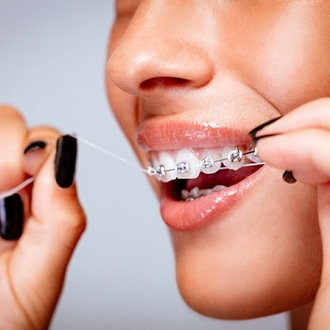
(198, 75)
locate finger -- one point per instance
(314, 114)
(55, 211)
(39, 142)
(320, 317)
(51, 233)
(35, 154)
(304, 151)
(324, 221)
(12, 133)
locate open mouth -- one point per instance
(191, 189)
(191, 174)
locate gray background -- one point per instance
(52, 56)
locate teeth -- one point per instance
(208, 162)
(168, 162)
(253, 156)
(188, 164)
(197, 193)
(219, 188)
(234, 158)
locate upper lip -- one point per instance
(158, 135)
(161, 133)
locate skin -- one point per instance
(247, 62)
(32, 269)
(233, 63)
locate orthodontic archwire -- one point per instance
(234, 156)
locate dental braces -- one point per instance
(235, 157)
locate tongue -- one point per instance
(224, 177)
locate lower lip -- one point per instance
(186, 216)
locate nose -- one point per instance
(163, 48)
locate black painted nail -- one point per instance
(65, 160)
(256, 139)
(252, 134)
(35, 145)
(11, 217)
(288, 177)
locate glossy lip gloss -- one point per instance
(185, 216)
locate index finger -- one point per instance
(12, 135)
(314, 114)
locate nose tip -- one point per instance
(138, 66)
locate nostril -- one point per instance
(163, 82)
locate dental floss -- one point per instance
(107, 152)
(16, 189)
(161, 170)
(152, 171)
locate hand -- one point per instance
(32, 267)
(300, 142)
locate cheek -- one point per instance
(286, 60)
(123, 105)
(252, 264)
(295, 76)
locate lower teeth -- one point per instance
(197, 193)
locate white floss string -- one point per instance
(28, 181)
(17, 188)
(107, 152)
(150, 171)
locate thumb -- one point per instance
(55, 205)
(320, 317)
(52, 231)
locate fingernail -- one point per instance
(35, 145)
(65, 160)
(288, 177)
(252, 133)
(256, 139)
(11, 217)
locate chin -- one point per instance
(235, 289)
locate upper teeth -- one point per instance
(187, 163)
